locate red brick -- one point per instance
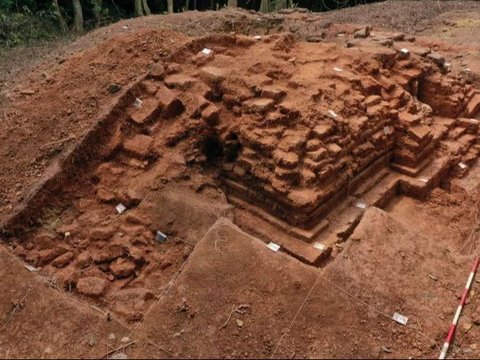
(323, 130)
(259, 105)
(122, 268)
(180, 81)
(287, 160)
(171, 105)
(210, 115)
(149, 109)
(473, 106)
(139, 145)
(419, 133)
(92, 286)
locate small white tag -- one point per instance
(30, 268)
(138, 103)
(124, 27)
(341, 35)
(462, 165)
(399, 318)
(274, 247)
(207, 51)
(257, 37)
(405, 51)
(422, 179)
(120, 208)
(332, 114)
(467, 69)
(160, 236)
(388, 130)
(447, 64)
(361, 205)
(337, 69)
(319, 246)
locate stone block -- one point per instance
(139, 146)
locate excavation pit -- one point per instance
(293, 144)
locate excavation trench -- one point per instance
(300, 142)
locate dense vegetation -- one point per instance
(24, 21)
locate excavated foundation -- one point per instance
(304, 136)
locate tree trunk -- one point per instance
(146, 9)
(58, 15)
(264, 6)
(232, 3)
(138, 8)
(97, 11)
(280, 4)
(170, 6)
(77, 16)
(187, 5)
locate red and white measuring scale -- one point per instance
(453, 326)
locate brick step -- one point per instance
(456, 132)
(345, 218)
(420, 186)
(449, 123)
(302, 234)
(410, 159)
(375, 179)
(411, 171)
(301, 250)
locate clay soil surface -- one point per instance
(210, 165)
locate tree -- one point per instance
(77, 16)
(146, 9)
(232, 3)
(265, 6)
(58, 15)
(280, 4)
(97, 9)
(268, 5)
(138, 8)
(142, 8)
(170, 6)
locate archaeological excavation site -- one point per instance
(234, 184)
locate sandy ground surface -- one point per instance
(213, 291)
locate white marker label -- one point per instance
(337, 69)
(207, 51)
(422, 179)
(120, 208)
(138, 103)
(388, 130)
(258, 37)
(319, 246)
(332, 114)
(462, 165)
(399, 318)
(361, 205)
(30, 268)
(160, 236)
(274, 247)
(405, 51)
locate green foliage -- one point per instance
(24, 27)
(6, 5)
